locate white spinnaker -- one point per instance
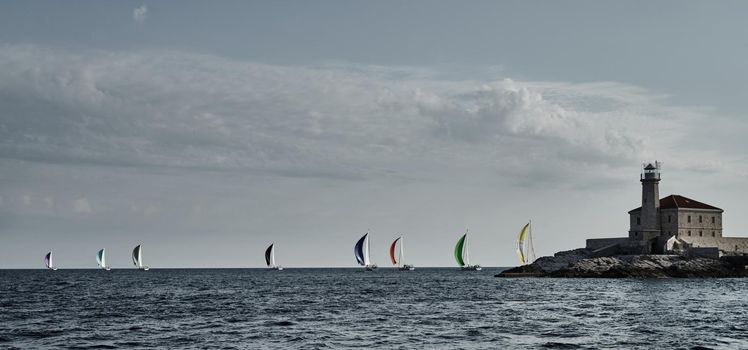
(402, 251)
(367, 259)
(465, 254)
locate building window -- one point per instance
(700, 218)
(638, 220)
(668, 219)
(712, 219)
(689, 232)
(701, 234)
(714, 234)
(689, 218)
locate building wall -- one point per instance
(635, 226)
(727, 245)
(597, 243)
(669, 219)
(699, 223)
(675, 221)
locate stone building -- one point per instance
(662, 225)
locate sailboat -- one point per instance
(361, 250)
(101, 259)
(462, 256)
(400, 263)
(270, 258)
(137, 258)
(525, 250)
(48, 262)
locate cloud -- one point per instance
(185, 110)
(140, 14)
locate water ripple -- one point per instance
(347, 308)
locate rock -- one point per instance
(579, 263)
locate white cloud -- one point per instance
(140, 14)
(177, 109)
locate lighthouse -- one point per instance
(650, 210)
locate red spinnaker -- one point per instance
(392, 252)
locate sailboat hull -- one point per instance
(407, 268)
(471, 268)
(371, 267)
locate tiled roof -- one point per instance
(675, 201)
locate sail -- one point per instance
(367, 251)
(268, 256)
(392, 252)
(100, 258)
(521, 252)
(525, 249)
(358, 250)
(458, 250)
(136, 257)
(48, 260)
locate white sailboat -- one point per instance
(137, 258)
(270, 258)
(101, 259)
(400, 263)
(462, 255)
(48, 261)
(361, 251)
(525, 249)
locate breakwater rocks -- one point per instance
(581, 263)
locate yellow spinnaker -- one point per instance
(521, 243)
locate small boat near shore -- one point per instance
(462, 255)
(270, 258)
(525, 249)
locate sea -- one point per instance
(429, 308)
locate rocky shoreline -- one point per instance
(580, 263)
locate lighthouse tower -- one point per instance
(650, 212)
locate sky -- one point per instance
(208, 130)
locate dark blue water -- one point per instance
(347, 308)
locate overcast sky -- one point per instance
(208, 130)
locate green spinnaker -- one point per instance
(458, 250)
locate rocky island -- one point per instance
(674, 236)
(582, 263)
